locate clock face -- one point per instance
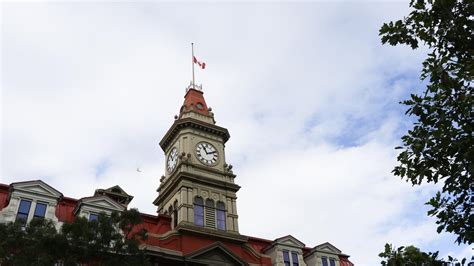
(172, 160)
(206, 153)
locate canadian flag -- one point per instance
(201, 64)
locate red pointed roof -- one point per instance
(194, 100)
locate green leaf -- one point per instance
(438, 148)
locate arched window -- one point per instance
(220, 215)
(175, 214)
(210, 214)
(198, 211)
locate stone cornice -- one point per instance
(192, 123)
(227, 173)
(211, 233)
(154, 250)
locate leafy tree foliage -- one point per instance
(409, 255)
(440, 146)
(37, 244)
(111, 240)
(412, 256)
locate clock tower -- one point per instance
(198, 189)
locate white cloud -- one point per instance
(307, 91)
(466, 252)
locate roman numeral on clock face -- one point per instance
(206, 153)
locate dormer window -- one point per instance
(93, 217)
(294, 258)
(23, 211)
(90, 207)
(324, 261)
(286, 258)
(40, 210)
(332, 262)
(25, 207)
(31, 200)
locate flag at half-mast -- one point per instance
(202, 65)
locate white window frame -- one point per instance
(31, 212)
(290, 256)
(92, 213)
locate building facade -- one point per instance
(197, 219)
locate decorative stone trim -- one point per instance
(180, 124)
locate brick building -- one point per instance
(197, 218)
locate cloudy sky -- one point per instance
(307, 91)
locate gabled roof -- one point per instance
(216, 252)
(289, 241)
(37, 187)
(116, 193)
(114, 190)
(326, 248)
(101, 202)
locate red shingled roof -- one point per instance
(195, 99)
(258, 243)
(343, 261)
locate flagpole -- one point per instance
(192, 61)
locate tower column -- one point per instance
(234, 208)
(183, 211)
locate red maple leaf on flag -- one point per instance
(201, 64)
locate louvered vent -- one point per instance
(210, 217)
(210, 214)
